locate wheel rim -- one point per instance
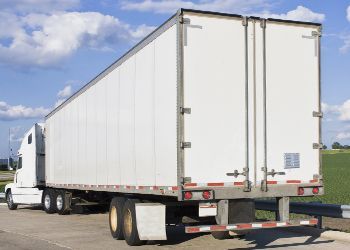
(128, 223)
(47, 201)
(114, 219)
(59, 202)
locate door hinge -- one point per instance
(185, 145)
(184, 20)
(245, 21)
(186, 180)
(317, 145)
(315, 36)
(316, 33)
(263, 186)
(185, 110)
(317, 114)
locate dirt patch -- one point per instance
(336, 224)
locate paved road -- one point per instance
(28, 228)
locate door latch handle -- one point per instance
(236, 173)
(273, 173)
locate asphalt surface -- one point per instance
(31, 228)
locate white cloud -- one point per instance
(37, 5)
(346, 38)
(248, 7)
(346, 46)
(45, 40)
(343, 135)
(8, 112)
(301, 13)
(341, 111)
(171, 6)
(326, 108)
(16, 134)
(344, 111)
(142, 31)
(65, 92)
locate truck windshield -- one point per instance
(19, 163)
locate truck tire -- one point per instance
(63, 202)
(116, 217)
(9, 199)
(129, 224)
(48, 201)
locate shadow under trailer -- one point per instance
(207, 113)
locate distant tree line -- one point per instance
(337, 145)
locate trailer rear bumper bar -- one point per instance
(226, 191)
(250, 226)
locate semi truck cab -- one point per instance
(30, 171)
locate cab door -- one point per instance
(26, 171)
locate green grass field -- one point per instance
(336, 175)
(2, 185)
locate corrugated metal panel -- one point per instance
(165, 108)
(144, 116)
(101, 132)
(127, 122)
(113, 145)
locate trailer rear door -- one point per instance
(214, 82)
(214, 89)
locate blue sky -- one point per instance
(51, 48)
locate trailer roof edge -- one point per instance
(252, 17)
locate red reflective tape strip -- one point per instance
(238, 183)
(271, 182)
(313, 221)
(175, 188)
(208, 206)
(155, 188)
(192, 229)
(269, 224)
(293, 181)
(244, 226)
(313, 181)
(190, 184)
(218, 184)
(217, 228)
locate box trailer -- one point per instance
(207, 113)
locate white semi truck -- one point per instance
(207, 113)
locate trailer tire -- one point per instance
(48, 201)
(116, 217)
(63, 202)
(131, 234)
(221, 235)
(9, 199)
